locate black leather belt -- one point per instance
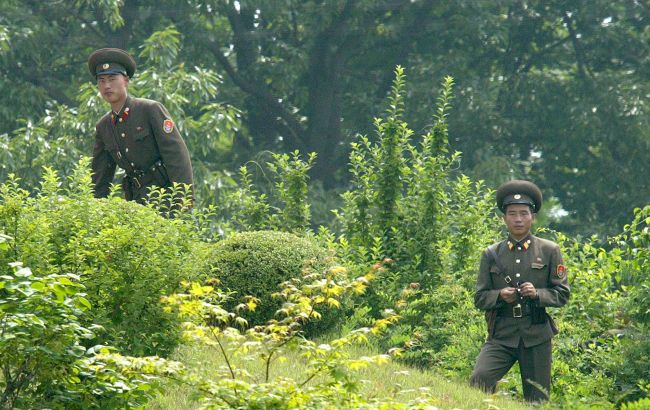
(516, 310)
(140, 178)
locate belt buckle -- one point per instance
(516, 311)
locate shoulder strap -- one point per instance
(121, 155)
(491, 250)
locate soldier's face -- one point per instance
(518, 218)
(112, 87)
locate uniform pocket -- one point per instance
(535, 265)
(495, 269)
(141, 135)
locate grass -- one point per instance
(392, 380)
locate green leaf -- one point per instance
(38, 286)
(60, 293)
(36, 320)
(82, 303)
(23, 272)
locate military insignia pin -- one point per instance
(560, 271)
(168, 126)
(105, 66)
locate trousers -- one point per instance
(495, 360)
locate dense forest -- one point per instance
(554, 91)
(345, 154)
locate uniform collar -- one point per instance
(123, 115)
(522, 245)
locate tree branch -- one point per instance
(253, 88)
(582, 71)
(535, 57)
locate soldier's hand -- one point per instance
(528, 290)
(509, 295)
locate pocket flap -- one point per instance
(536, 265)
(141, 134)
(495, 269)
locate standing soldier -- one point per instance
(518, 278)
(138, 135)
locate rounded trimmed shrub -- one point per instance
(256, 263)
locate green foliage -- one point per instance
(633, 277)
(40, 333)
(284, 208)
(409, 208)
(407, 204)
(257, 263)
(329, 381)
(602, 347)
(291, 188)
(44, 361)
(447, 337)
(637, 405)
(126, 255)
(549, 90)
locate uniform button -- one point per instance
(517, 275)
(127, 150)
(123, 135)
(120, 119)
(518, 260)
(133, 165)
(518, 248)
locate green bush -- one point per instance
(602, 351)
(409, 206)
(126, 255)
(257, 263)
(279, 204)
(44, 362)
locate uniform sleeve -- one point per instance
(557, 294)
(486, 297)
(172, 148)
(103, 167)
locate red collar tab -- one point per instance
(120, 117)
(523, 245)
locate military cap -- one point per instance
(111, 61)
(519, 191)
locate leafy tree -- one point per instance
(549, 90)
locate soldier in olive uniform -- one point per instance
(518, 278)
(138, 135)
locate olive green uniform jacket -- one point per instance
(139, 137)
(534, 260)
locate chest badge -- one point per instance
(168, 126)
